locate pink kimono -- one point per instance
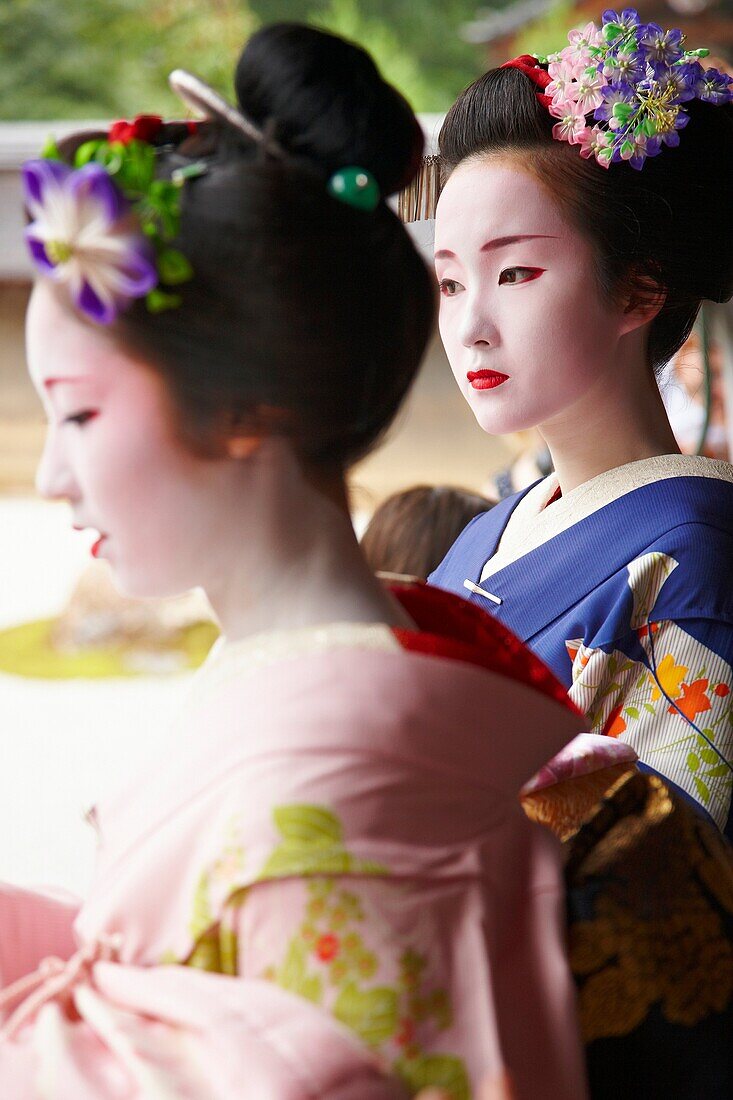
(329, 890)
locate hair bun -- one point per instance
(328, 103)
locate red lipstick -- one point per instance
(98, 546)
(486, 379)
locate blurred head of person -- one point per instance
(412, 531)
(293, 343)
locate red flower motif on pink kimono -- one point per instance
(327, 947)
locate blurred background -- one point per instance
(87, 679)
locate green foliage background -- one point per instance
(110, 58)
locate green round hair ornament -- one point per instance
(356, 187)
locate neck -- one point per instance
(620, 419)
(288, 556)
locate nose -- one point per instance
(477, 326)
(54, 477)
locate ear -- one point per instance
(643, 300)
(242, 446)
(242, 434)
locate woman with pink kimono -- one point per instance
(323, 886)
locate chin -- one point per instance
(139, 585)
(502, 421)
(504, 417)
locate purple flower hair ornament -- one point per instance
(713, 87)
(105, 225)
(619, 89)
(627, 20)
(82, 235)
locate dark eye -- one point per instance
(512, 275)
(80, 417)
(449, 287)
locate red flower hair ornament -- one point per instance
(531, 67)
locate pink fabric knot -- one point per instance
(586, 753)
(54, 980)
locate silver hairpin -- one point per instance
(201, 98)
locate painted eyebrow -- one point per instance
(49, 383)
(499, 242)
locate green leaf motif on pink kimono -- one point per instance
(215, 943)
(202, 917)
(371, 1013)
(308, 825)
(312, 844)
(293, 974)
(329, 962)
(208, 954)
(440, 1071)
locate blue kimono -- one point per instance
(624, 587)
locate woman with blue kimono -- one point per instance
(568, 278)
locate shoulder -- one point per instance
(661, 495)
(688, 558)
(695, 491)
(698, 556)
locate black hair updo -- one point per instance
(305, 315)
(669, 225)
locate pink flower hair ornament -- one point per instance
(618, 90)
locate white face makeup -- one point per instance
(525, 329)
(112, 453)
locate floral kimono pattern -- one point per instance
(623, 588)
(674, 705)
(305, 900)
(338, 955)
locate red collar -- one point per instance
(449, 626)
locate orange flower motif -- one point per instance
(573, 648)
(670, 677)
(327, 947)
(615, 724)
(694, 700)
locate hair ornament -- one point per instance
(201, 98)
(355, 187)
(352, 185)
(142, 128)
(104, 225)
(418, 201)
(531, 67)
(619, 90)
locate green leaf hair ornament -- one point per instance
(109, 201)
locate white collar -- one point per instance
(533, 523)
